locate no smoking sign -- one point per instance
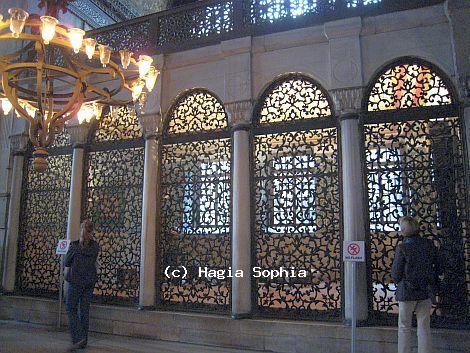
(353, 251)
(62, 247)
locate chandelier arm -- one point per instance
(61, 120)
(49, 137)
(39, 73)
(77, 98)
(99, 91)
(33, 129)
(10, 94)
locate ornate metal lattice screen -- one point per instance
(296, 202)
(113, 202)
(195, 204)
(414, 165)
(43, 220)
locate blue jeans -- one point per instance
(78, 310)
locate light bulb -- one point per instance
(144, 65)
(18, 18)
(76, 38)
(137, 88)
(90, 44)
(85, 114)
(48, 28)
(105, 54)
(125, 58)
(6, 106)
(151, 78)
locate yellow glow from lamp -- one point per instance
(97, 109)
(90, 44)
(48, 24)
(85, 114)
(105, 54)
(136, 89)
(6, 106)
(144, 64)
(76, 38)
(30, 110)
(151, 78)
(18, 19)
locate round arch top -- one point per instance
(408, 83)
(293, 97)
(196, 111)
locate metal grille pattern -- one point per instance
(43, 221)
(268, 11)
(196, 23)
(209, 22)
(408, 86)
(114, 204)
(130, 37)
(417, 168)
(62, 139)
(196, 111)
(294, 99)
(195, 206)
(297, 205)
(121, 123)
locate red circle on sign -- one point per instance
(353, 249)
(63, 245)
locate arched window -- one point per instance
(112, 200)
(296, 201)
(414, 165)
(195, 210)
(43, 220)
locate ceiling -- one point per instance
(99, 13)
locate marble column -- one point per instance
(18, 145)
(348, 105)
(78, 137)
(149, 123)
(240, 117)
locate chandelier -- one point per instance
(58, 74)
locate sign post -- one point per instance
(353, 251)
(61, 250)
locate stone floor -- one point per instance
(28, 338)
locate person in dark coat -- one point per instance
(415, 271)
(81, 277)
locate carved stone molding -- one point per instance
(78, 134)
(19, 143)
(348, 100)
(149, 124)
(239, 113)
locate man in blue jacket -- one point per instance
(415, 271)
(81, 277)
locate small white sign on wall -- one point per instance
(62, 247)
(354, 251)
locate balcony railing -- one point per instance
(209, 22)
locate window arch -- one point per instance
(409, 83)
(195, 212)
(297, 200)
(414, 165)
(112, 200)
